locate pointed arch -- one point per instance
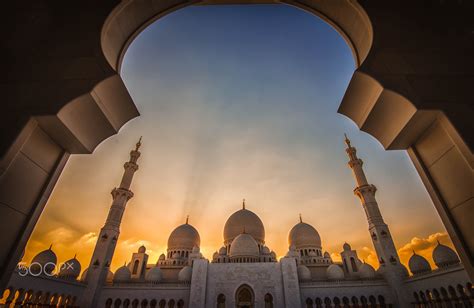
(268, 300)
(221, 301)
(244, 296)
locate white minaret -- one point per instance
(104, 249)
(390, 266)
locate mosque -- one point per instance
(244, 272)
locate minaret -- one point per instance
(104, 249)
(387, 254)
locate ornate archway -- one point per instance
(64, 95)
(244, 297)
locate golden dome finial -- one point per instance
(187, 219)
(243, 204)
(301, 219)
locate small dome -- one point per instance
(244, 245)
(154, 275)
(418, 264)
(346, 247)
(303, 235)
(195, 249)
(70, 269)
(142, 249)
(327, 255)
(334, 272)
(185, 274)
(312, 253)
(162, 256)
(366, 271)
(444, 256)
(123, 274)
(244, 219)
(223, 251)
(215, 255)
(44, 262)
(184, 237)
(304, 274)
(265, 250)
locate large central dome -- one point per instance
(244, 220)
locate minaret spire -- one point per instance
(243, 204)
(301, 219)
(187, 219)
(108, 236)
(379, 231)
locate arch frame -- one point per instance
(101, 102)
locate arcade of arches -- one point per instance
(63, 95)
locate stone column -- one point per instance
(28, 174)
(446, 166)
(291, 287)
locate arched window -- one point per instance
(345, 302)
(144, 303)
(135, 303)
(153, 303)
(244, 297)
(337, 302)
(268, 300)
(318, 302)
(135, 266)
(221, 301)
(429, 296)
(327, 302)
(452, 294)
(126, 303)
(373, 301)
(381, 301)
(355, 302)
(309, 303)
(180, 303)
(171, 303)
(108, 303)
(117, 303)
(353, 264)
(162, 303)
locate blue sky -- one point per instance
(239, 102)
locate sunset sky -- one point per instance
(237, 102)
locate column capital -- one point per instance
(362, 190)
(118, 192)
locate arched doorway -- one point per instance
(244, 297)
(395, 120)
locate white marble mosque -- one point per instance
(244, 272)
